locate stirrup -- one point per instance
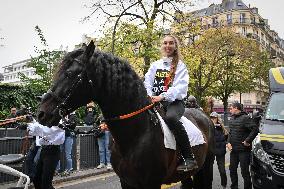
(187, 165)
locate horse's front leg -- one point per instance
(124, 185)
(187, 184)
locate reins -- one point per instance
(126, 116)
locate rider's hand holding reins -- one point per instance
(156, 99)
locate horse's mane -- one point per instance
(65, 62)
(116, 76)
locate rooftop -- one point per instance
(226, 5)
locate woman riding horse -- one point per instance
(139, 156)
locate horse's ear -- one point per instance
(84, 46)
(90, 49)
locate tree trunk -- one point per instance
(225, 103)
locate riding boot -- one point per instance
(182, 140)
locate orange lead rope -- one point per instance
(126, 116)
(136, 112)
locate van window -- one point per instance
(275, 108)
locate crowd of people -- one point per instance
(237, 141)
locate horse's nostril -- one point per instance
(40, 115)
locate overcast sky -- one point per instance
(61, 26)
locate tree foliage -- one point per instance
(131, 44)
(220, 61)
(14, 96)
(45, 64)
(199, 54)
(241, 67)
(146, 14)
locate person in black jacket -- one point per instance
(221, 135)
(243, 130)
(89, 120)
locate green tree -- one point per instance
(45, 64)
(146, 14)
(242, 66)
(130, 44)
(201, 55)
(14, 96)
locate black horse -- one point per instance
(139, 156)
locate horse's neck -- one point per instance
(126, 132)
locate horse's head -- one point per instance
(66, 93)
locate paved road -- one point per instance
(111, 181)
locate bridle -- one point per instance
(62, 107)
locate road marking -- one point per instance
(227, 164)
(87, 179)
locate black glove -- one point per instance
(22, 126)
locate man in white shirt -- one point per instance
(50, 140)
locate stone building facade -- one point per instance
(246, 21)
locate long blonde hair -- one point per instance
(176, 56)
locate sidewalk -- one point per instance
(75, 175)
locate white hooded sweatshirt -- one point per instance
(155, 80)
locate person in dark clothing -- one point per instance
(221, 136)
(13, 114)
(243, 130)
(23, 111)
(191, 102)
(256, 116)
(103, 142)
(70, 122)
(89, 120)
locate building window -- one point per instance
(247, 101)
(244, 31)
(229, 18)
(242, 18)
(215, 21)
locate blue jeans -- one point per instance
(67, 146)
(104, 151)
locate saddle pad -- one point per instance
(194, 134)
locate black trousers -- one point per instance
(174, 111)
(244, 159)
(221, 167)
(29, 162)
(46, 166)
